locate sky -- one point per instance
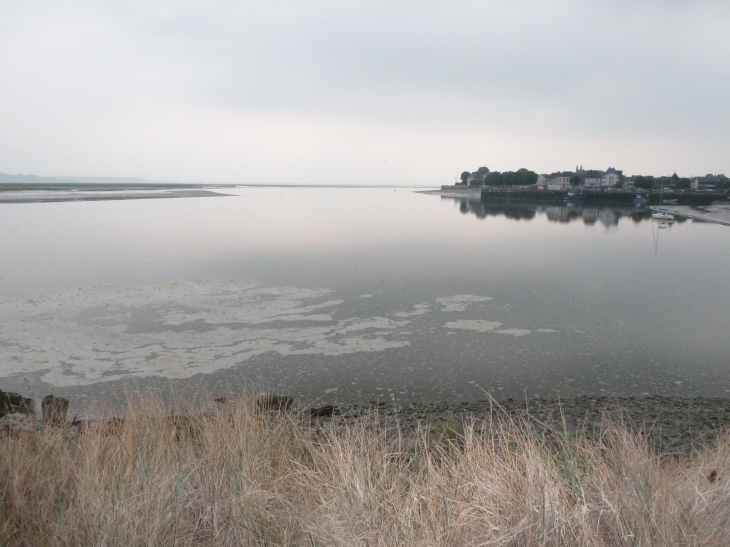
(396, 92)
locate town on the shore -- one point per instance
(611, 179)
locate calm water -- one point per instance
(359, 294)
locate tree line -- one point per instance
(525, 177)
(521, 177)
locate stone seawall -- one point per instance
(596, 198)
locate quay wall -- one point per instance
(597, 198)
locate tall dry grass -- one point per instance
(228, 475)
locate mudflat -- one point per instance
(40, 193)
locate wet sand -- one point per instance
(50, 193)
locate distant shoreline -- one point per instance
(147, 185)
(56, 192)
(97, 186)
(586, 197)
(66, 193)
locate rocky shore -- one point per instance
(672, 425)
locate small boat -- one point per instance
(639, 200)
(660, 213)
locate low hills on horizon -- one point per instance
(20, 178)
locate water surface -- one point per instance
(355, 294)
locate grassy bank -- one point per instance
(229, 475)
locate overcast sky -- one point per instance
(362, 92)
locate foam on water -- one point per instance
(514, 332)
(459, 302)
(473, 324)
(418, 309)
(176, 330)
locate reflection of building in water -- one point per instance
(590, 215)
(608, 217)
(509, 210)
(561, 213)
(472, 206)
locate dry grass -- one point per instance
(231, 476)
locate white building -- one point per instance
(562, 184)
(561, 178)
(611, 177)
(559, 181)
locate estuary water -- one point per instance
(359, 294)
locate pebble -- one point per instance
(672, 425)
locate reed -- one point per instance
(231, 475)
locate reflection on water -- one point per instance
(608, 216)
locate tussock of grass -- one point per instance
(229, 475)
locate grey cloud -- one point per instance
(617, 64)
(612, 68)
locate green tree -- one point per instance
(683, 182)
(645, 183)
(525, 177)
(521, 177)
(465, 177)
(575, 180)
(494, 179)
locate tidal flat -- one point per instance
(62, 192)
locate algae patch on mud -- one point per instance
(175, 330)
(459, 302)
(474, 324)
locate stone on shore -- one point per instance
(275, 402)
(326, 410)
(14, 403)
